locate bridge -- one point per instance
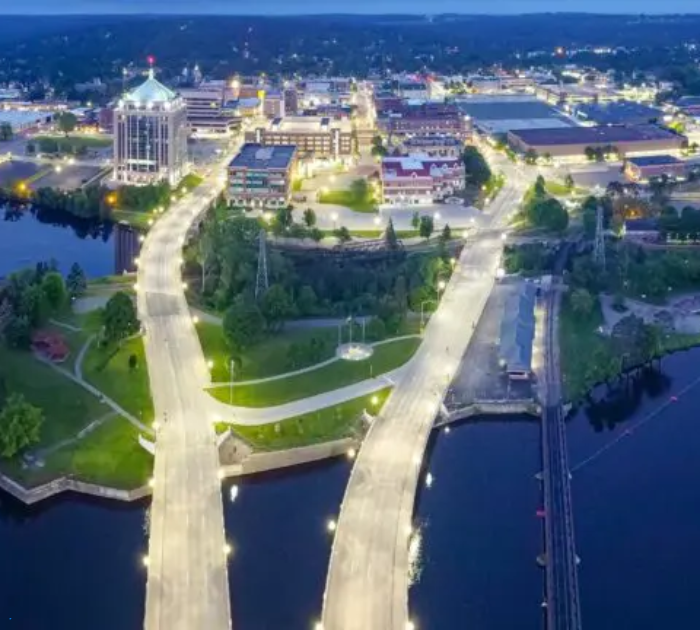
(187, 555)
(367, 584)
(563, 606)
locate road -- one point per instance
(563, 606)
(367, 584)
(187, 561)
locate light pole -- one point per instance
(231, 369)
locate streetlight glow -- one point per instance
(146, 561)
(352, 453)
(374, 400)
(441, 285)
(331, 525)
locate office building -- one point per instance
(425, 119)
(261, 177)
(150, 135)
(207, 111)
(436, 145)
(316, 138)
(420, 179)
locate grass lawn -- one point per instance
(340, 374)
(108, 370)
(110, 456)
(189, 181)
(67, 407)
(559, 189)
(349, 199)
(327, 424)
(138, 220)
(71, 143)
(584, 353)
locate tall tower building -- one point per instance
(150, 135)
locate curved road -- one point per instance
(367, 585)
(187, 574)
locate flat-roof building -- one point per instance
(425, 119)
(150, 135)
(315, 137)
(572, 142)
(261, 176)
(206, 111)
(21, 120)
(518, 334)
(616, 113)
(420, 179)
(644, 168)
(436, 145)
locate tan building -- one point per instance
(315, 137)
(206, 109)
(572, 142)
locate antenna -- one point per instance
(599, 245)
(261, 280)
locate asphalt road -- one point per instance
(187, 561)
(367, 584)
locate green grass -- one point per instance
(67, 406)
(331, 423)
(136, 219)
(297, 184)
(386, 357)
(348, 199)
(71, 143)
(108, 370)
(189, 181)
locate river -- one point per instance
(28, 237)
(76, 563)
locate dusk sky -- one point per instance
(344, 6)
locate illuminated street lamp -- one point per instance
(334, 216)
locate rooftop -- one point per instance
(261, 157)
(418, 165)
(150, 91)
(309, 124)
(617, 113)
(518, 330)
(594, 135)
(654, 160)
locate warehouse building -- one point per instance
(644, 168)
(571, 143)
(617, 113)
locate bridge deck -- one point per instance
(187, 571)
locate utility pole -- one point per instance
(261, 280)
(599, 245)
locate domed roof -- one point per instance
(151, 91)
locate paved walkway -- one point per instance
(311, 368)
(249, 416)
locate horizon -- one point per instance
(281, 8)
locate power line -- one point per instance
(627, 432)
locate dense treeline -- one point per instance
(68, 50)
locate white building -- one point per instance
(420, 179)
(150, 135)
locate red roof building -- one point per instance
(420, 179)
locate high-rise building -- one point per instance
(150, 135)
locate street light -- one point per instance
(334, 216)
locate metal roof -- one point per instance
(594, 135)
(518, 330)
(654, 160)
(151, 91)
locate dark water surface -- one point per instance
(28, 237)
(73, 563)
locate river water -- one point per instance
(75, 563)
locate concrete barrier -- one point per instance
(30, 496)
(490, 408)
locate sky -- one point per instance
(279, 7)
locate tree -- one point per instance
(6, 132)
(390, 238)
(306, 300)
(66, 122)
(476, 168)
(426, 227)
(54, 289)
(119, 318)
(581, 302)
(415, 220)
(569, 182)
(76, 283)
(283, 220)
(243, 326)
(20, 425)
(531, 157)
(378, 148)
(446, 234)
(540, 187)
(342, 234)
(276, 307)
(133, 362)
(309, 218)
(18, 332)
(34, 305)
